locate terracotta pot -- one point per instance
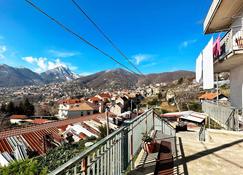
(149, 147)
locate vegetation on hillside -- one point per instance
(23, 108)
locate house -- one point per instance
(67, 110)
(94, 100)
(213, 97)
(227, 16)
(117, 109)
(104, 96)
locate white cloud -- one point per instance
(141, 58)
(3, 49)
(43, 64)
(62, 54)
(86, 73)
(186, 43)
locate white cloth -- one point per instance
(199, 64)
(208, 76)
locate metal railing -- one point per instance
(226, 116)
(232, 41)
(202, 133)
(114, 153)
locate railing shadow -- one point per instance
(180, 159)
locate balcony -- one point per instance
(221, 15)
(117, 153)
(231, 51)
(121, 152)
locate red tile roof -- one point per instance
(94, 99)
(40, 121)
(105, 95)
(208, 96)
(32, 136)
(69, 101)
(18, 117)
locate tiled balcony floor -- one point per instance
(221, 154)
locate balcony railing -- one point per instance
(226, 116)
(232, 41)
(113, 154)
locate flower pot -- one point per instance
(149, 147)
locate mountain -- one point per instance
(120, 78)
(10, 76)
(58, 74)
(110, 79)
(166, 77)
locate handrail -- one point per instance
(158, 116)
(91, 149)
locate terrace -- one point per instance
(117, 153)
(195, 151)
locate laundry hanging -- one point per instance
(199, 64)
(208, 73)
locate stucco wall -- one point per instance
(236, 86)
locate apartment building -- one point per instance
(226, 16)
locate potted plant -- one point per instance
(148, 143)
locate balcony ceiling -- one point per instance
(231, 61)
(221, 15)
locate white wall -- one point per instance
(236, 86)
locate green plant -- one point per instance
(24, 167)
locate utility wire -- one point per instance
(78, 36)
(105, 36)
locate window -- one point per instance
(81, 113)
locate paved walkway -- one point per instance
(221, 154)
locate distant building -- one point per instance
(213, 97)
(117, 109)
(75, 110)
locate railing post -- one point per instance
(131, 146)
(124, 150)
(153, 119)
(146, 122)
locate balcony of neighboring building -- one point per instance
(230, 54)
(221, 15)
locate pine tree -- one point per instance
(10, 108)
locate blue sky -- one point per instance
(156, 35)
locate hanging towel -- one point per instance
(208, 73)
(216, 48)
(199, 64)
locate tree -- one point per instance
(10, 108)
(180, 81)
(103, 131)
(23, 167)
(29, 108)
(20, 109)
(3, 108)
